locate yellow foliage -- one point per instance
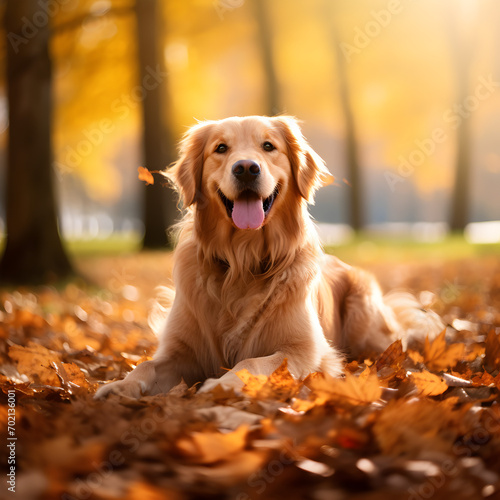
(429, 384)
(353, 390)
(400, 73)
(35, 361)
(211, 447)
(440, 356)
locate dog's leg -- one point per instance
(416, 322)
(152, 377)
(265, 365)
(138, 382)
(173, 361)
(330, 361)
(373, 321)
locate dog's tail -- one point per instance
(416, 322)
(160, 308)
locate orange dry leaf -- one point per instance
(423, 426)
(438, 355)
(69, 373)
(352, 366)
(35, 362)
(279, 385)
(393, 356)
(253, 383)
(144, 491)
(485, 379)
(354, 390)
(145, 175)
(415, 356)
(302, 405)
(474, 351)
(210, 447)
(429, 384)
(351, 438)
(226, 474)
(492, 351)
(65, 454)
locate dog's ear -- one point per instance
(309, 169)
(186, 172)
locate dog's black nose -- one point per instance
(246, 170)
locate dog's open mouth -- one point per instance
(249, 210)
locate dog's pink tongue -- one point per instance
(248, 213)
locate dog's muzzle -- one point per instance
(248, 210)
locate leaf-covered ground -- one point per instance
(419, 424)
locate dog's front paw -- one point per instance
(128, 388)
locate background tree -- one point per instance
(160, 208)
(351, 147)
(265, 45)
(462, 46)
(33, 251)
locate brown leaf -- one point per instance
(421, 426)
(473, 351)
(429, 384)
(351, 438)
(253, 383)
(279, 385)
(144, 491)
(145, 175)
(485, 379)
(64, 453)
(353, 390)
(352, 366)
(210, 447)
(241, 467)
(415, 356)
(35, 362)
(393, 356)
(70, 375)
(492, 351)
(438, 355)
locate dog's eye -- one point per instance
(221, 148)
(267, 146)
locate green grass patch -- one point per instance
(366, 248)
(363, 248)
(115, 245)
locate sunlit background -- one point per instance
(406, 84)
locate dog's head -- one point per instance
(245, 169)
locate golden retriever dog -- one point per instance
(252, 283)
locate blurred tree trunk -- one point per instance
(265, 44)
(462, 53)
(33, 252)
(460, 198)
(351, 151)
(160, 209)
(351, 145)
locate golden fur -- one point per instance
(248, 298)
